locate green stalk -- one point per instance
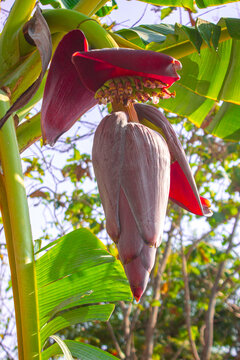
(89, 7)
(19, 14)
(23, 76)
(64, 20)
(26, 73)
(12, 264)
(124, 43)
(29, 132)
(21, 237)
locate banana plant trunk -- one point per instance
(15, 213)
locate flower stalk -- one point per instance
(128, 109)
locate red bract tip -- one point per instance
(137, 293)
(182, 193)
(205, 202)
(177, 64)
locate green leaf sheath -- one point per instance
(9, 48)
(64, 20)
(26, 73)
(22, 238)
(83, 6)
(29, 132)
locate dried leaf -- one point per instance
(39, 193)
(36, 32)
(80, 172)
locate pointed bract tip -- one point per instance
(137, 292)
(51, 138)
(206, 204)
(177, 64)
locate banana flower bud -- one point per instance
(137, 169)
(132, 168)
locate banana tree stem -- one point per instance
(12, 264)
(21, 236)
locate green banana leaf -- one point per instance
(103, 10)
(189, 4)
(79, 351)
(107, 9)
(221, 121)
(209, 77)
(161, 37)
(71, 283)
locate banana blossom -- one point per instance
(137, 168)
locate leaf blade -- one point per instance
(80, 351)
